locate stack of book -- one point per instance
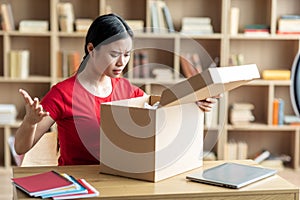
(8, 113)
(292, 120)
(241, 113)
(82, 24)
(196, 25)
(55, 185)
(257, 30)
(289, 24)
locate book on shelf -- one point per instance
(190, 64)
(289, 24)
(261, 156)
(7, 17)
(162, 74)
(19, 61)
(276, 74)
(66, 18)
(33, 26)
(160, 17)
(211, 119)
(82, 24)
(268, 159)
(257, 30)
(57, 186)
(137, 26)
(236, 59)
(234, 20)
(141, 67)
(196, 25)
(236, 150)
(278, 111)
(67, 63)
(240, 113)
(291, 120)
(8, 113)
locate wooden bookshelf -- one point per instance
(268, 52)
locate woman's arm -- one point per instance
(35, 123)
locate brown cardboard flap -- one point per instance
(210, 82)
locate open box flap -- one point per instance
(209, 83)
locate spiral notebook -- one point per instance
(231, 175)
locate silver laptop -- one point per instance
(231, 175)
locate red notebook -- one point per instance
(43, 182)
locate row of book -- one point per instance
(236, 150)
(55, 185)
(141, 68)
(67, 63)
(19, 63)
(66, 20)
(278, 111)
(161, 20)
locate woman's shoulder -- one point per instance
(66, 82)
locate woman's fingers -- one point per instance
(26, 96)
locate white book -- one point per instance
(196, 20)
(66, 16)
(33, 26)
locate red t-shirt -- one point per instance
(77, 115)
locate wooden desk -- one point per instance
(114, 187)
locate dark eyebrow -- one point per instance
(118, 52)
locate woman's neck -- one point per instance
(100, 86)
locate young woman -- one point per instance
(74, 104)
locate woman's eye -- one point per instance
(114, 55)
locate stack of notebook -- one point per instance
(52, 184)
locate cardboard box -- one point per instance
(155, 144)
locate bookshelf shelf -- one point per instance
(273, 51)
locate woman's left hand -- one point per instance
(207, 104)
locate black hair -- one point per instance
(104, 30)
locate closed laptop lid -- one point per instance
(231, 175)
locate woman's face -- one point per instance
(112, 58)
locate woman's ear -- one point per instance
(90, 47)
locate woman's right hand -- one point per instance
(34, 110)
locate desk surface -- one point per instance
(177, 187)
